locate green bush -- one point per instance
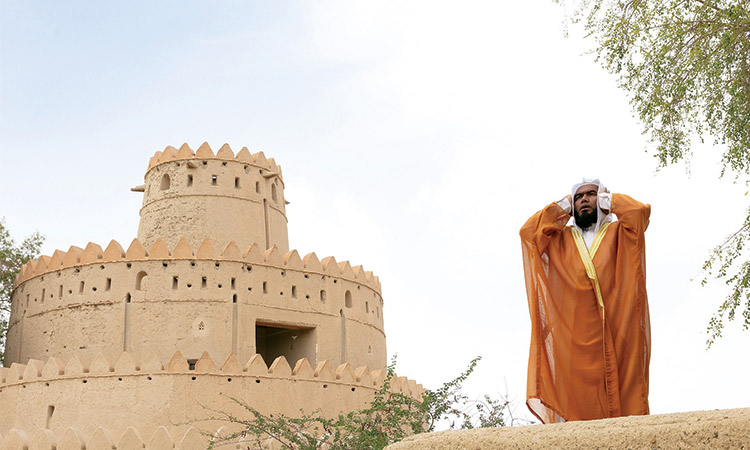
(389, 418)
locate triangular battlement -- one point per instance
(204, 152)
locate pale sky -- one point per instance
(415, 139)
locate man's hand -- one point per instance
(566, 203)
(605, 191)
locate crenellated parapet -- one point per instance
(47, 394)
(225, 153)
(77, 367)
(103, 439)
(218, 298)
(252, 254)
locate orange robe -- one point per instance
(589, 353)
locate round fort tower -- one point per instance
(210, 271)
(134, 339)
(220, 197)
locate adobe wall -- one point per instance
(718, 429)
(156, 301)
(86, 394)
(102, 439)
(222, 197)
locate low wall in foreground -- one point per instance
(145, 395)
(719, 429)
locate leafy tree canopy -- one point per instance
(685, 65)
(12, 257)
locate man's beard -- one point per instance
(585, 220)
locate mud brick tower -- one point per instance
(115, 348)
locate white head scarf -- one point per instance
(600, 216)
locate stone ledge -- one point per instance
(721, 429)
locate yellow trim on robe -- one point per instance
(587, 258)
(588, 262)
(598, 239)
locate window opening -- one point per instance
(322, 296)
(108, 284)
(139, 280)
(165, 182)
(190, 180)
(236, 182)
(214, 180)
(174, 282)
(342, 337)
(80, 288)
(290, 341)
(348, 299)
(50, 412)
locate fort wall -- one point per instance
(55, 396)
(88, 301)
(222, 197)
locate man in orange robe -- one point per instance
(586, 286)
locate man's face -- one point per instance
(584, 205)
